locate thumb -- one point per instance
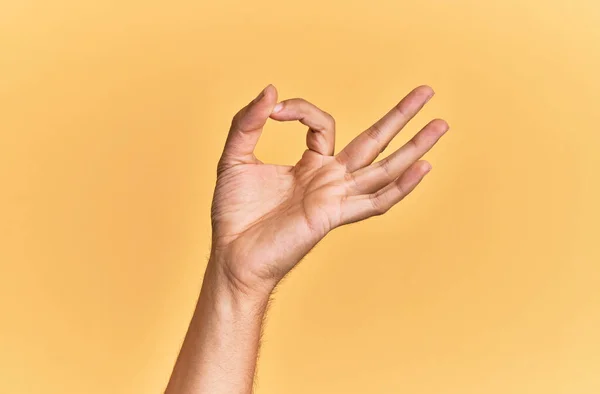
(247, 125)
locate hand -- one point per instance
(267, 217)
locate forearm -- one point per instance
(221, 346)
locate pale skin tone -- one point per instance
(267, 217)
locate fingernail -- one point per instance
(278, 107)
(428, 168)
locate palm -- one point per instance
(282, 212)
(267, 217)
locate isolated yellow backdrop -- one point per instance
(485, 280)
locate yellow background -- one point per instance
(485, 280)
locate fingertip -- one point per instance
(278, 107)
(270, 89)
(426, 89)
(426, 166)
(440, 125)
(268, 92)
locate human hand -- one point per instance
(267, 217)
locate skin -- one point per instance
(266, 218)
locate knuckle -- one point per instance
(414, 144)
(343, 158)
(384, 165)
(401, 190)
(330, 120)
(374, 132)
(298, 104)
(400, 109)
(378, 207)
(222, 165)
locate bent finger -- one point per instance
(321, 125)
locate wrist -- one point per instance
(227, 291)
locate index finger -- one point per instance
(321, 126)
